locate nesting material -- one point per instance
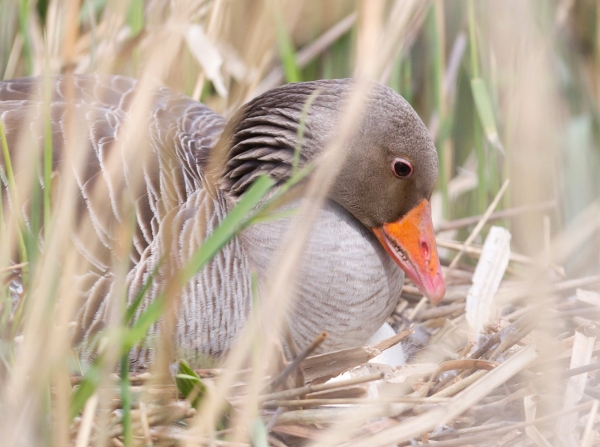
(393, 356)
(486, 279)
(447, 394)
(583, 347)
(532, 379)
(586, 296)
(532, 431)
(207, 55)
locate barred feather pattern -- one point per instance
(346, 283)
(212, 307)
(263, 135)
(172, 198)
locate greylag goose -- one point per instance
(376, 222)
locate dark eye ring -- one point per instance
(402, 168)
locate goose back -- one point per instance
(174, 212)
(347, 285)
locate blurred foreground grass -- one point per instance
(467, 81)
(509, 90)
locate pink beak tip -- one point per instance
(436, 290)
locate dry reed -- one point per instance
(517, 100)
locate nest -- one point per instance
(528, 376)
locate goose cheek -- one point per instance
(410, 241)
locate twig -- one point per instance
(394, 340)
(494, 408)
(353, 401)
(85, 429)
(324, 366)
(323, 387)
(511, 339)
(461, 385)
(521, 323)
(588, 434)
(496, 338)
(592, 392)
(480, 224)
(440, 311)
(273, 419)
(503, 214)
(457, 405)
(417, 308)
(470, 430)
(466, 364)
(507, 438)
(162, 434)
(145, 425)
(489, 434)
(476, 250)
(295, 363)
(518, 292)
(276, 442)
(580, 370)
(13, 267)
(509, 336)
(298, 431)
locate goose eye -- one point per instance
(402, 168)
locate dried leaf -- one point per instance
(207, 56)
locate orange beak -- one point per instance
(410, 241)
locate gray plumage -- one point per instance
(347, 284)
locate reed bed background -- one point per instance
(510, 91)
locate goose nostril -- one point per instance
(425, 250)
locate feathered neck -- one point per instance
(263, 136)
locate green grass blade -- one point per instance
(275, 215)
(135, 17)
(234, 222)
(473, 41)
(2, 225)
(190, 384)
(126, 401)
(47, 151)
(259, 434)
(481, 169)
(10, 175)
(286, 50)
(24, 11)
(438, 65)
(12, 190)
(132, 309)
(91, 8)
(141, 326)
(87, 387)
(237, 219)
(485, 111)
(276, 200)
(302, 128)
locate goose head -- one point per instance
(387, 174)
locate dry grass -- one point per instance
(509, 89)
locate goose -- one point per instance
(374, 227)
